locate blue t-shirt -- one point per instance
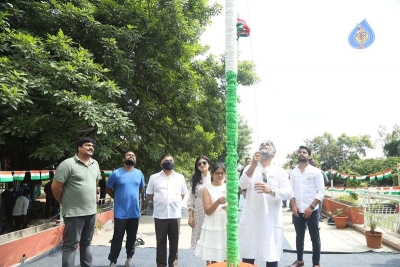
(126, 186)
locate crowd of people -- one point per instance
(260, 234)
(17, 202)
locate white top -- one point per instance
(167, 199)
(307, 186)
(21, 206)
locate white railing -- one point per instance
(378, 204)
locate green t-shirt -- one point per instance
(79, 190)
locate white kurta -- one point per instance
(261, 225)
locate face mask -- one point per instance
(168, 165)
(130, 162)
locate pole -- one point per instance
(232, 254)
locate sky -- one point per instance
(312, 80)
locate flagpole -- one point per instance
(231, 132)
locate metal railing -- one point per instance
(383, 208)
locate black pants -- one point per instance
(167, 229)
(10, 219)
(120, 226)
(51, 202)
(19, 222)
(300, 226)
(267, 264)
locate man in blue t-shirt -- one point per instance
(125, 185)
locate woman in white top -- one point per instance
(211, 246)
(200, 179)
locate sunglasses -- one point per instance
(264, 175)
(203, 162)
(219, 173)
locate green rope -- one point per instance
(231, 164)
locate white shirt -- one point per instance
(307, 186)
(21, 206)
(261, 225)
(167, 199)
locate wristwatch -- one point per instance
(312, 207)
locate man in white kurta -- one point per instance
(261, 225)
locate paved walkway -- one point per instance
(342, 248)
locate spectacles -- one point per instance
(203, 162)
(264, 175)
(219, 173)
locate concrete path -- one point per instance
(340, 248)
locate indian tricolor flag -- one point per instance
(387, 173)
(45, 174)
(5, 177)
(19, 175)
(35, 175)
(107, 173)
(379, 176)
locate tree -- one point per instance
(390, 141)
(171, 90)
(333, 153)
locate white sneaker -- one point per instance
(128, 262)
(113, 264)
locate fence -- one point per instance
(386, 207)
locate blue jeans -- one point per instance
(78, 231)
(300, 227)
(120, 226)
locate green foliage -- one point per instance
(395, 179)
(353, 195)
(131, 74)
(338, 212)
(373, 218)
(390, 140)
(347, 198)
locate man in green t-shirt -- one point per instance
(75, 187)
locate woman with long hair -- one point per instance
(211, 246)
(201, 177)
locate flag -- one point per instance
(379, 176)
(5, 176)
(107, 173)
(387, 173)
(35, 175)
(45, 174)
(19, 175)
(361, 177)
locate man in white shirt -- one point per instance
(308, 189)
(166, 190)
(261, 224)
(21, 209)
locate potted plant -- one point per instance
(373, 237)
(340, 219)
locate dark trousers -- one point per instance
(267, 264)
(51, 202)
(78, 231)
(300, 227)
(120, 226)
(10, 219)
(102, 200)
(19, 222)
(167, 229)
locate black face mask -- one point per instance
(130, 162)
(168, 165)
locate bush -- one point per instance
(395, 178)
